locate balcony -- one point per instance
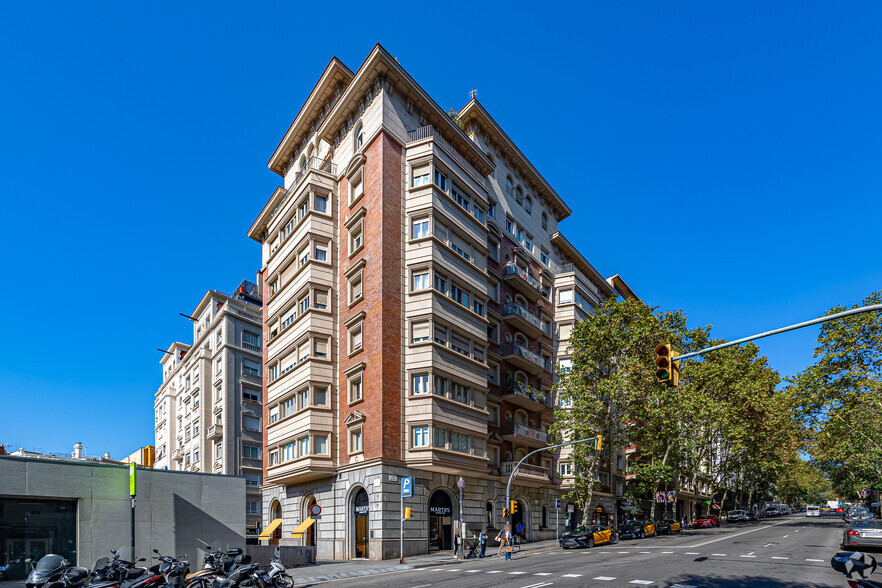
(518, 355)
(522, 281)
(633, 452)
(429, 131)
(523, 319)
(525, 435)
(520, 394)
(525, 471)
(301, 470)
(313, 163)
(215, 431)
(177, 454)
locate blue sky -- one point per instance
(743, 138)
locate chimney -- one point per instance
(78, 451)
(107, 456)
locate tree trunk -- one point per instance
(656, 482)
(589, 495)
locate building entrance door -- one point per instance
(440, 521)
(361, 526)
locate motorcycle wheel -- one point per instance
(283, 581)
(590, 542)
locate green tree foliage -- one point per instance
(838, 400)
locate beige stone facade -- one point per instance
(411, 265)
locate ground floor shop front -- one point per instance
(361, 512)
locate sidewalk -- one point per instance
(325, 571)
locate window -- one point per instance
(250, 368)
(460, 247)
(440, 386)
(459, 392)
(196, 455)
(359, 138)
(321, 348)
(528, 205)
(494, 250)
(251, 451)
(250, 423)
(196, 373)
(355, 287)
(459, 442)
(218, 393)
(288, 452)
(304, 304)
(509, 226)
(274, 458)
(421, 436)
(195, 428)
(459, 198)
(459, 295)
(288, 407)
(303, 398)
(420, 228)
(321, 252)
(420, 280)
(321, 444)
(303, 351)
(356, 390)
(303, 446)
(356, 237)
(421, 384)
(478, 213)
(218, 450)
(304, 256)
(420, 175)
(274, 286)
(566, 469)
(274, 414)
(493, 333)
(441, 283)
(287, 322)
(440, 438)
(440, 335)
(356, 338)
(544, 257)
(420, 331)
(220, 337)
(544, 221)
(273, 372)
(252, 479)
(357, 189)
(528, 243)
(440, 181)
(519, 196)
(249, 396)
(565, 296)
(355, 441)
(303, 208)
(187, 434)
(321, 203)
(491, 211)
(251, 341)
(509, 188)
(320, 395)
(252, 507)
(478, 307)
(478, 353)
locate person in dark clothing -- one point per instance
(483, 540)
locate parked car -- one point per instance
(587, 536)
(749, 515)
(858, 514)
(862, 534)
(771, 511)
(637, 530)
(812, 511)
(668, 527)
(735, 516)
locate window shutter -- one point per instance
(420, 331)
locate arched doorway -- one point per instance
(519, 521)
(361, 513)
(573, 516)
(275, 513)
(440, 521)
(309, 536)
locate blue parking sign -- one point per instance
(406, 487)
(557, 503)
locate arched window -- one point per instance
(544, 221)
(521, 301)
(310, 154)
(519, 196)
(489, 514)
(303, 164)
(544, 517)
(509, 186)
(528, 205)
(359, 137)
(520, 417)
(521, 340)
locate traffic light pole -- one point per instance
(823, 319)
(523, 459)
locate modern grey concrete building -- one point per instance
(208, 409)
(82, 510)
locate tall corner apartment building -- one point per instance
(208, 409)
(417, 290)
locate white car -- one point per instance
(813, 511)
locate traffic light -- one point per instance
(599, 444)
(504, 512)
(663, 363)
(408, 513)
(675, 369)
(514, 506)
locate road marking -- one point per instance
(451, 570)
(516, 573)
(539, 585)
(796, 531)
(625, 552)
(748, 556)
(692, 553)
(736, 535)
(682, 586)
(604, 578)
(543, 574)
(651, 552)
(719, 554)
(667, 552)
(472, 571)
(571, 576)
(767, 544)
(495, 572)
(814, 560)
(776, 557)
(422, 586)
(643, 582)
(785, 536)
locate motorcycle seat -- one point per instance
(197, 574)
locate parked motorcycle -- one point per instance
(55, 568)
(857, 567)
(168, 572)
(227, 569)
(276, 576)
(116, 572)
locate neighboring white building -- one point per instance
(208, 409)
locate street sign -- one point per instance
(406, 487)
(659, 497)
(571, 508)
(315, 510)
(557, 503)
(672, 496)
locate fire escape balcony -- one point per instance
(522, 281)
(518, 355)
(525, 435)
(523, 319)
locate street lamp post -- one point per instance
(461, 549)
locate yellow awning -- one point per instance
(298, 532)
(267, 533)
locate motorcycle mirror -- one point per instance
(156, 551)
(28, 560)
(854, 563)
(142, 559)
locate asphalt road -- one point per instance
(791, 551)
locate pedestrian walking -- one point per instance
(500, 538)
(482, 538)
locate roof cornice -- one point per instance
(474, 113)
(619, 285)
(558, 240)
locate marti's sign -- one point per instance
(441, 511)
